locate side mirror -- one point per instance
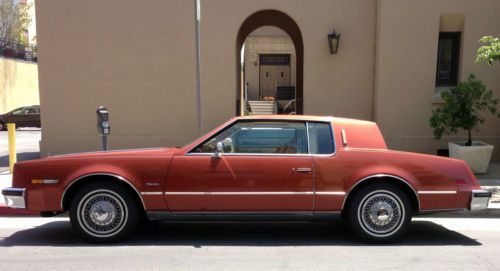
(219, 150)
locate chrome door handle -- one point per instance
(302, 170)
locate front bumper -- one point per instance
(479, 200)
(15, 197)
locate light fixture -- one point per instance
(333, 42)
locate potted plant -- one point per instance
(463, 109)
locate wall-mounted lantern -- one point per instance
(333, 42)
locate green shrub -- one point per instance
(490, 52)
(463, 108)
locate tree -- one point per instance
(463, 108)
(490, 52)
(14, 19)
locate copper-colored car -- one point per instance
(251, 168)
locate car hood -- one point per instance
(119, 153)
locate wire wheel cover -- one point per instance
(102, 213)
(381, 213)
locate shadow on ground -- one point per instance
(199, 234)
(23, 156)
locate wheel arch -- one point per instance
(72, 188)
(405, 186)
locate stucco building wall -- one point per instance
(18, 84)
(407, 42)
(136, 59)
(139, 60)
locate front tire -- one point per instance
(379, 213)
(104, 213)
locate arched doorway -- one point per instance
(287, 24)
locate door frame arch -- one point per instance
(281, 20)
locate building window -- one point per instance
(448, 59)
(275, 59)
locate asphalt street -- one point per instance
(431, 244)
(27, 145)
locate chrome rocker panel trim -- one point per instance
(243, 216)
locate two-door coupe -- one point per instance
(258, 167)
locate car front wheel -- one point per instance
(104, 213)
(379, 213)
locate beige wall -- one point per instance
(340, 85)
(136, 59)
(139, 60)
(407, 40)
(18, 84)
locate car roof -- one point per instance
(303, 118)
(27, 106)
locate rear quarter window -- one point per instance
(321, 138)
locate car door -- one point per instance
(33, 117)
(19, 117)
(265, 167)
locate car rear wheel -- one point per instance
(379, 213)
(104, 213)
(3, 126)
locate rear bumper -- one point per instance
(479, 200)
(15, 197)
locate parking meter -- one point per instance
(103, 126)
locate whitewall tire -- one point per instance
(379, 213)
(104, 213)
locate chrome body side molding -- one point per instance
(239, 193)
(450, 192)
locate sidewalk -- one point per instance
(491, 181)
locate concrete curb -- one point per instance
(488, 213)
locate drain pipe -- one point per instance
(197, 14)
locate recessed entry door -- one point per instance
(274, 72)
(268, 81)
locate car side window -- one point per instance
(266, 137)
(321, 138)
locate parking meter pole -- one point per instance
(103, 126)
(11, 127)
(104, 142)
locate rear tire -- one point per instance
(3, 126)
(104, 213)
(379, 213)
